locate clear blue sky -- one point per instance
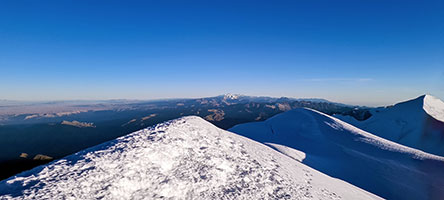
(362, 52)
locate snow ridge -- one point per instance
(379, 141)
(341, 150)
(417, 123)
(187, 158)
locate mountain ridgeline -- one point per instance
(57, 129)
(338, 149)
(306, 148)
(187, 158)
(417, 123)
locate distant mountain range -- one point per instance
(231, 108)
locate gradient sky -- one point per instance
(371, 52)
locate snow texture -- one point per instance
(380, 166)
(187, 158)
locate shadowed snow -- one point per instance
(341, 150)
(417, 123)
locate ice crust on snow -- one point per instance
(187, 158)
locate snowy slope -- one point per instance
(385, 168)
(187, 158)
(418, 123)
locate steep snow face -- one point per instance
(434, 107)
(187, 158)
(341, 150)
(418, 123)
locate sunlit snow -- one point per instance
(186, 158)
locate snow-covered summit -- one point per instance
(417, 123)
(231, 96)
(385, 168)
(430, 104)
(187, 158)
(434, 107)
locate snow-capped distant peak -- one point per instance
(434, 107)
(231, 96)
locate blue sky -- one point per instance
(371, 52)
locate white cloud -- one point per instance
(338, 79)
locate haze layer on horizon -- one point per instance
(356, 52)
